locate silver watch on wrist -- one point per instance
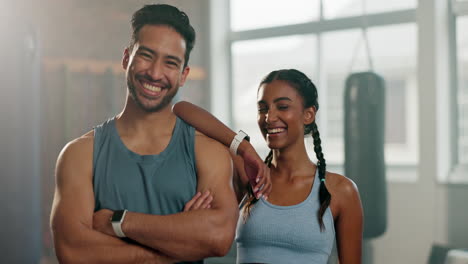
(237, 140)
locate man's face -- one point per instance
(155, 67)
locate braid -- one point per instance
(324, 195)
(269, 158)
(251, 199)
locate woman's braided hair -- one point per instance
(308, 92)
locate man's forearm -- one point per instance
(188, 236)
(94, 247)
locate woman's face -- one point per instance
(281, 114)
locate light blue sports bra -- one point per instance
(285, 234)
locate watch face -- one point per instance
(117, 216)
(246, 137)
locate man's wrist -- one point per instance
(117, 221)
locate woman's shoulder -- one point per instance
(341, 187)
(345, 201)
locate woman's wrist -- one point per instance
(244, 147)
(237, 140)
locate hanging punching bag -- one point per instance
(364, 146)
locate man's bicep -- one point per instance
(74, 198)
(215, 171)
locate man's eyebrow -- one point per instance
(147, 49)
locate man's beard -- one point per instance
(166, 100)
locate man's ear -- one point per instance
(125, 58)
(309, 115)
(185, 73)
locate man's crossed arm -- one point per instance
(190, 235)
(195, 234)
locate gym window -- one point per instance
(324, 40)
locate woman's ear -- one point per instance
(309, 115)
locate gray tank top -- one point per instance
(285, 234)
(153, 184)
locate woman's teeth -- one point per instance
(275, 130)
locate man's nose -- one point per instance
(156, 70)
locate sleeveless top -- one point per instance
(286, 234)
(152, 184)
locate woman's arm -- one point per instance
(349, 222)
(256, 172)
(204, 122)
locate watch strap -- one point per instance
(236, 141)
(117, 224)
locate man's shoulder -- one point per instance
(213, 160)
(75, 159)
(206, 141)
(209, 147)
(82, 145)
(84, 140)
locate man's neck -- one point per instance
(137, 121)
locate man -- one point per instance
(147, 162)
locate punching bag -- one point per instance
(364, 146)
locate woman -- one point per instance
(307, 207)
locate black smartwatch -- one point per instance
(117, 220)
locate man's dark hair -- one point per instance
(162, 14)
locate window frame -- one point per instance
(459, 171)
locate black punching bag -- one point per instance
(364, 146)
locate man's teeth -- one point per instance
(275, 130)
(151, 87)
